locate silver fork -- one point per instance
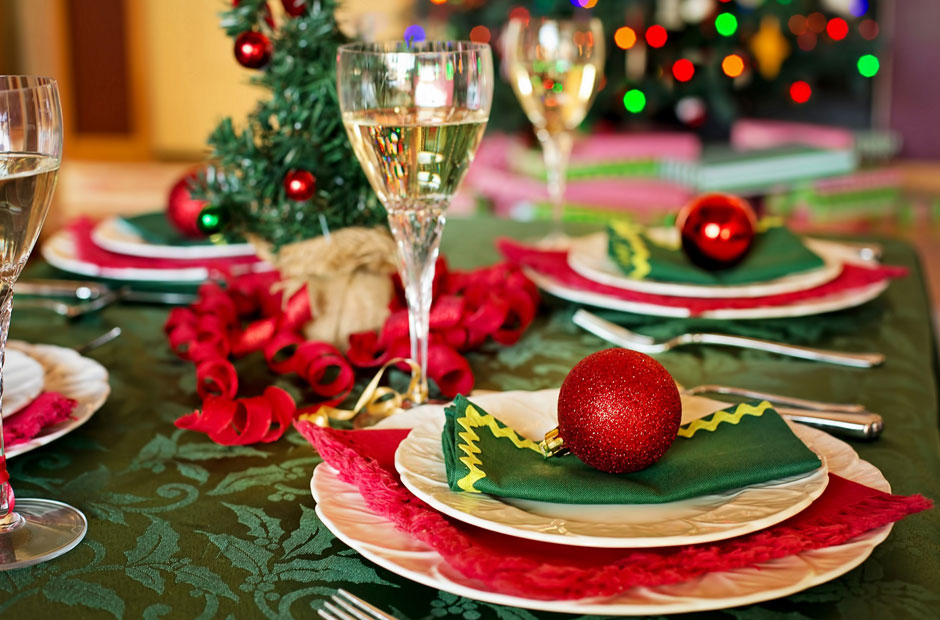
(346, 606)
(627, 339)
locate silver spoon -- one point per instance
(104, 338)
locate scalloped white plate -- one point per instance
(59, 251)
(420, 462)
(342, 509)
(71, 375)
(588, 257)
(114, 235)
(23, 378)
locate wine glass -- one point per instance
(555, 67)
(415, 114)
(30, 153)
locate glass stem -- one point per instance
(556, 149)
(7, 516)
(417, 232)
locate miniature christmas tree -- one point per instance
(288, 172)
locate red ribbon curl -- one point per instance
(497, 302)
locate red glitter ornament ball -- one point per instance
(300, 185)
(294, 8)
(182, 210)
(252, 49)
(618, 411)
(717, 230)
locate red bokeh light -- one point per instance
(480, 34)
(520, 12)
(683, 69)
(800, 91)
(837, 28)
(868, 29)
(656, 36)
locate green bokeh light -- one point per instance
(726, 24)
(868, 65)
(634, 101)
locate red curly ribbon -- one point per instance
(468, 307)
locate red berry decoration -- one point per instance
(182, 210)
(252, 49)
(618, 411)
(294, 7)
(717, 230)
(300, 185)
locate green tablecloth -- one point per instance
(182, 528)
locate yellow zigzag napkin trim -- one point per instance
(638, 256)
(721, 417)
(472, 419)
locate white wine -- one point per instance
(415, 158)
(27, 181)
(555, 95)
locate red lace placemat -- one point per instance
(538, 570)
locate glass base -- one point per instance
(44, 529)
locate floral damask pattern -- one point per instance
(180, 527)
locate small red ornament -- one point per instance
(300, 185)
(717, 230)
(182, 210)
(618, 411)
(294, 7)
(252, 49)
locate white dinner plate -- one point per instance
(343, 510)
(59, 251)
(115, 235)
(23, 378)
(420, 463)
(807, 307)
(588, 256)
(71, 375)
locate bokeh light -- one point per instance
(521, 13)
(726, 24)
(656, 36)
(837, 28)
(797, 24)
(634, 100)
(480, 34)
(816, 22)
(868, 28)
(858, 8)
(625, 37)
(800, 91)
(438, 1)
(732, 65)
(683, 69)
(868, 65)
(414, 34)
(807, 41)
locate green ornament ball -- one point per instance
(211, 220)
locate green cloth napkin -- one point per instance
(776, 252)
(156, 228)
(742, 445)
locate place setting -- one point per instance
(464, 310)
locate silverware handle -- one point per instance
(865, 425)
(858, 360)
(60, 288)
(800, 403)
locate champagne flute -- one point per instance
(554, 67)
(31, 530)
(415, 114)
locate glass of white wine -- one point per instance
(31, 530)
(415, 114)
(555, 67)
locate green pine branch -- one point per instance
(297, 127)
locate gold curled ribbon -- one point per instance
(376, 402)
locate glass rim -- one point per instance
(15, 82)
(381, 48)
